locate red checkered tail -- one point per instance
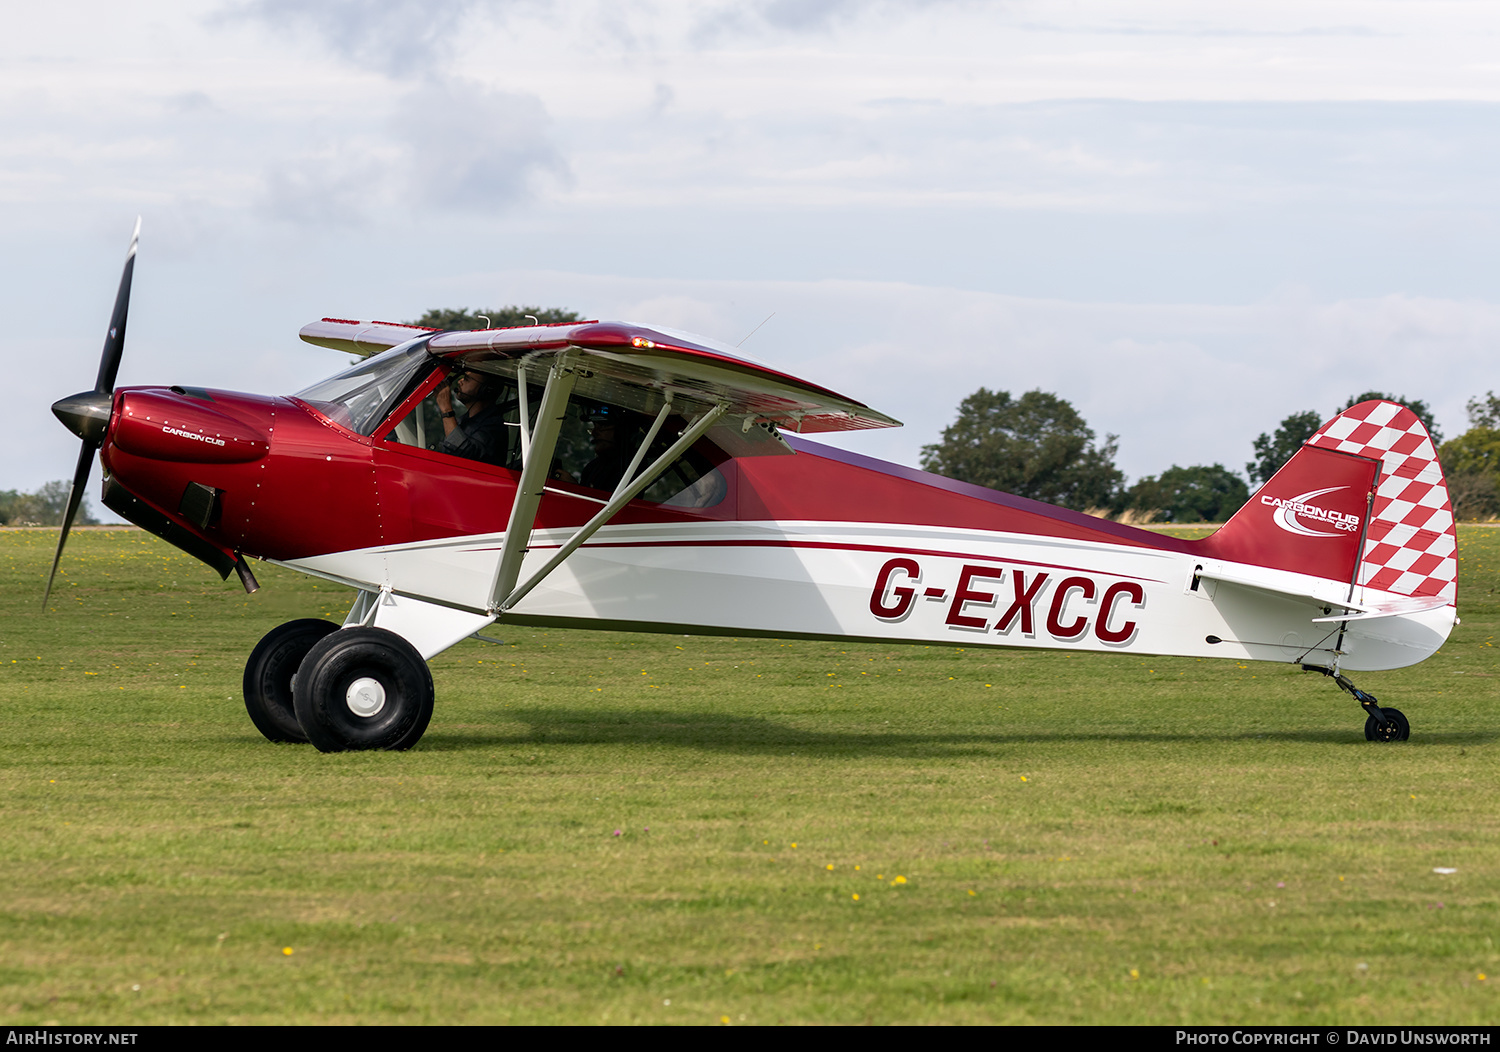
(1363, 500)
(1411, 547)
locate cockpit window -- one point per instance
(359, 398)
(599, 440)
(468, 414)
(476, 416)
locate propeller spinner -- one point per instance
(86, 414)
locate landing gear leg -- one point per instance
(1381, 724)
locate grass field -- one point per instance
(663, 829)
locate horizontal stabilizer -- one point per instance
(1318, 592)
(1314, 591)
(1387, 608)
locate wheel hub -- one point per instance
(365, 697)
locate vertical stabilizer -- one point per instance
(1363, 502)
(1308, 518)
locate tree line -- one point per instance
(45, 507)
(1039, 446)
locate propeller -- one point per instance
(86, 414)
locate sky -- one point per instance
(1188, 219)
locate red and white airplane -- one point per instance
(609, 475)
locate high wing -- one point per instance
(635, 367)
(363, 338)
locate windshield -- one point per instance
(358, 398)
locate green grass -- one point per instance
(1084, 838)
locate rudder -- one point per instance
(1411, 546)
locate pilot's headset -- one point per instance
(490, 385)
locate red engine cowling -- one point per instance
(166, 425)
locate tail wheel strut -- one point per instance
(1381, 724)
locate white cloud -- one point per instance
(334, 187)
(401, 38)
(474, 149)
(752, 21)
(445, 145)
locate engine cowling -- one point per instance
(182, 428)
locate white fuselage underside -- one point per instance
(883, 582)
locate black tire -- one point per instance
(368, 666)
(269, 672)
(1394, 729)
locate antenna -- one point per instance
(753, 331)
(484, 318)
(531, 318)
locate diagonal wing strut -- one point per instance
(505, 593)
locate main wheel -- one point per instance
(1394, 729)
(363, 688)
(269, 673)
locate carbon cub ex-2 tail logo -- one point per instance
(1307, 519)
(1288, 511)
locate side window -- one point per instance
(596, 444)
(598, 452)
(691, 482)
(421, 427)
(468, 414)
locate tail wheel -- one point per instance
(269, 673)
(363, 688)
(1394, 729)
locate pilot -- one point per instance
(610, 433)
(480, 433)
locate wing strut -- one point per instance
(525, 412)
(534, 471)
(635, 461)
(541, 453)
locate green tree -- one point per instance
(1203, 493)
(45, 507)
(1416, 405)
(499, 317)
(1272, 451)
(1484, 412)
(1034, 446)
(1471, 462)
(1474, 495)
(1477, 451)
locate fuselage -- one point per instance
(823, 543)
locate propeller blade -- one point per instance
(114, 341)
(88, 416)
(75, 498)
